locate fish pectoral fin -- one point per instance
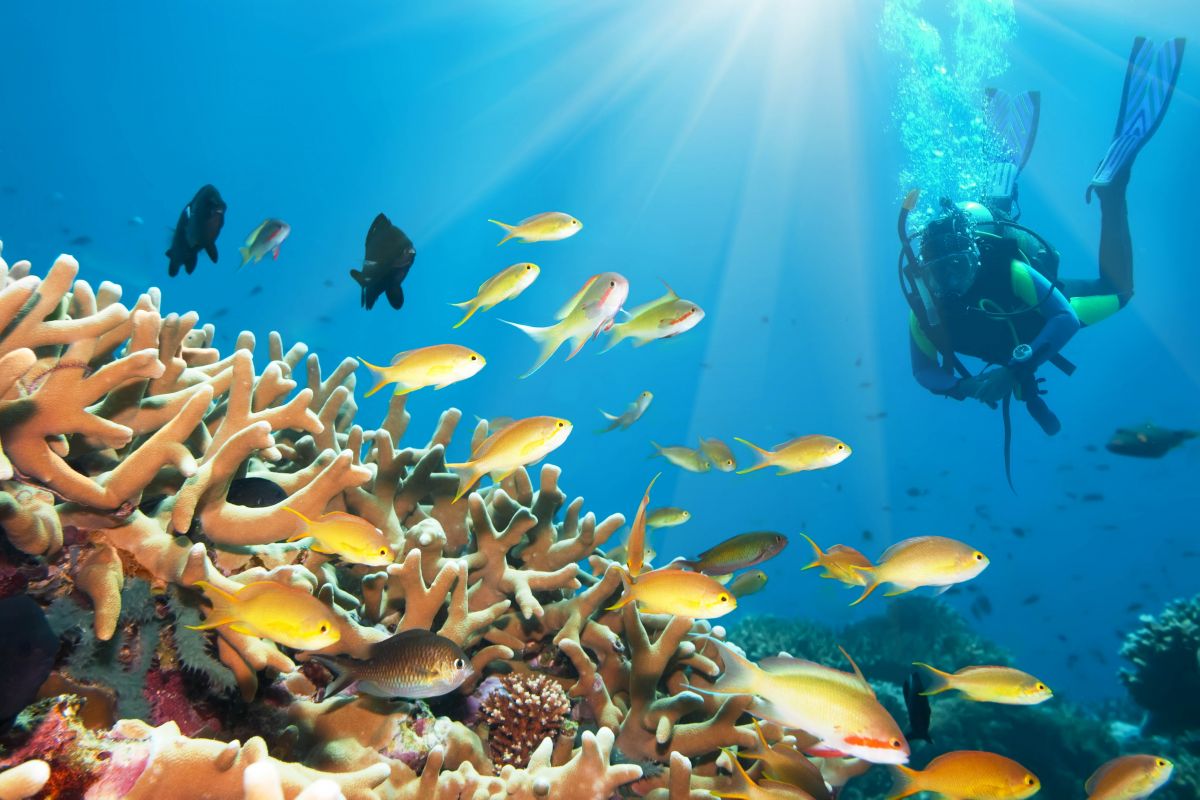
(899, 590)
(238, 627)
(501, 474)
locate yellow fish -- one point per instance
(659, 319)
(284, 614)
(667, 517)
(636, 546)
(719, 454)
(681, 594)
(800, 455)
(439, 366)
(504, 285)
(786, 765)
(923, 561)
(746, 584)
(967, 775)
(549, 226)
(685, 457)
(987, 684)
(745, 788)
(632, 413)
(1129, 778)
(348, 536)
(838, 708)
(526, 441)
(840, 563)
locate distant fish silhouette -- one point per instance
(388, 258)
(1147, 441)
(919, 713)
(81, 240)
(199, 226)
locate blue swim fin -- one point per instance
(1014, 118)
(1149, 83)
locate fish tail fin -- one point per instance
(342, 676)
(509, 230)
(739, 675)
(627, 590)
(308, 522)
(469, 474)
(816, 551)
(377, 371)
(936, 681)
(747, 783)
(872, 584)
(764, 455)
(550, 339)
(471, 306)
(245, 251)
(615, 337)
(222, 607)
(762, 739)
(904, 782)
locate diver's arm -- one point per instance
(937, 378)
(1061, 322)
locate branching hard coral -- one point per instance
(521, 711)
(1165, 675)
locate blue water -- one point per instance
(747, 154)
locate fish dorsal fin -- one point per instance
(857, 672)
(399, 356)
(1098, 776)
(723, 579)
(254, 233)
(670, 292)
(571, 304)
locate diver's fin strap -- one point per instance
(1149, 83)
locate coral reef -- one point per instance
(1164, 678)
(521, 711)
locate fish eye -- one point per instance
(612, 283)
(841, 446)
(722, 598)
(1030, 780)
(896, 743)
(324, 629)
(729, 462)
(560, 423)
(383, 551)
(1041, 687)
(474, 358)
(459, 663)
(979, 556)
(1160, 762)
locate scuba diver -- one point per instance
(980, 284)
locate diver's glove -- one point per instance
(1031, 393)
(988, 387)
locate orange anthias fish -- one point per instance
(786, 765)
(988, 684)
(345, 535)
(839, 562)
(745, 788)
(520, 444)
(838, 708)
(285, 614)
(923, 561)
(439, 365)
(801, 454)
(1129, 778)
(967, 775)
(636, 546)
(681, 594)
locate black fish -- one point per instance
(82, 240)
(198, 227)
(30, 648)
(1018, 532)
(389, 256)
(918, 709)
(255, 492)
(1147, 441)
(914, 491)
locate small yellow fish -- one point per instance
(635, 547)
(923, 561)
(967, 775)
(840, 771)
(838, 708)
(586, 314)
(1129, 778)
(438, 365)
(667, 517)
(747, 583)
(800, 455)
(549, 226)
(526, 441)
(985, 684)
(682, 594)
(745, 788)
(786, 765)
(632, 413)
(620, 554)
(839, 563)
(284, 614)
(348, 536)
(659, 319)
(504, 285)
(685, 457)
(719, 454)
